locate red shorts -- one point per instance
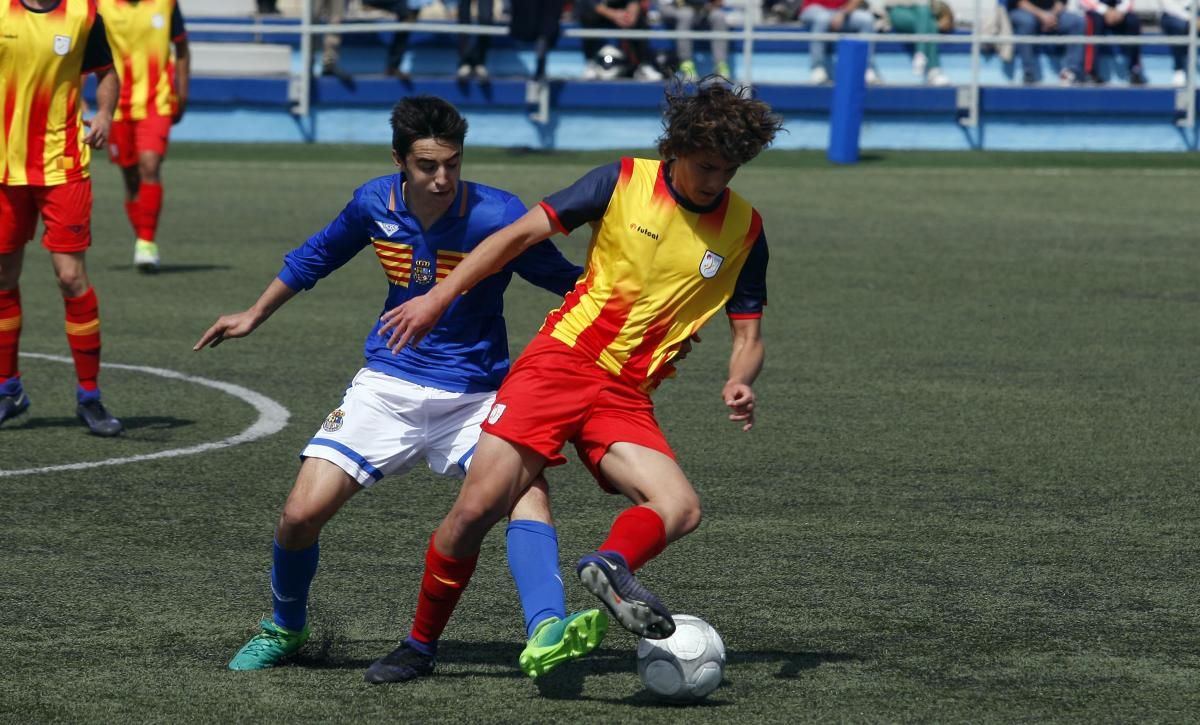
(66, 210)
(554, 394)
(128, 139)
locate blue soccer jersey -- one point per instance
(467, 351)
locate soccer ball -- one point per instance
(686, 666)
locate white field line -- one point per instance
(272, 417)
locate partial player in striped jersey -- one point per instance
(45, 149)
(150, 53)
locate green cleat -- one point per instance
(557, 640)
(269, 647)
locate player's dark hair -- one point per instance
(715, 117)
(418, 117)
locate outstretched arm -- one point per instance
(745, 363)
(243, 323)
(412, 320)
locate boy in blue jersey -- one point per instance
(426, 402)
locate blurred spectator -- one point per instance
(1174, 21)
(399, 44)
(781, 11)
(1047, 17)
(616, 14)
(537, 22)
(836, 16)
(1113, 17)
(332, 12)
(695, 14)
(472, 49)
(925, 17)
(995, 22)
(268, 7)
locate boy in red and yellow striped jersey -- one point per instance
(154, 90)
(671, 245)
(45, 48)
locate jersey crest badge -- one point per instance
(388, 228)
(710, 264)
(62, 44)
(423, 271)
(495, 413)
(334, 422)
(157, 21)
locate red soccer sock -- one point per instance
(638, 535)
(83, 336)
(10, 332)
(149, 203)
(441, 586)
(133, 211)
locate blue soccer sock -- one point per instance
(292, 573)
(533, 561)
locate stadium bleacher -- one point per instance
(254, 70)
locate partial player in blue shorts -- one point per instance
(423, 404)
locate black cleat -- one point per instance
(97, 419)
(403, 664)
(13, 405)
(608, 577)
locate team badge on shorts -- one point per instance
(334, 421)
(495, 413)
(62, 44)
(710, 264)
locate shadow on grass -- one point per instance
(175, 268)
(132, 424)
(481, 659)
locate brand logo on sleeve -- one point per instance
(710, 264)
(388, 228)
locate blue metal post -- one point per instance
(849, 98)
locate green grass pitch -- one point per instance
(970, 495)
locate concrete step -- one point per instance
(241, 59)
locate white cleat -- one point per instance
(145, 256)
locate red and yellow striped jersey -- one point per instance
(43, 54)
(142, 34)
(656, 269)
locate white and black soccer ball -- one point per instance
(686, 666)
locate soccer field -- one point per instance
(970, 495)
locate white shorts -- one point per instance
(386, 425)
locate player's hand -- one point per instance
(98, 129)
(228, 326)
(411, 321)
(180, 108)
(740, 399)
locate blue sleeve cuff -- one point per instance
(292, 280)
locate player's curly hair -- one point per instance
(418, 117)
(715, 117)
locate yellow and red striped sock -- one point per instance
(638, 535)
(441, 586)
(83, 336)
(149, 203)
(10, 332)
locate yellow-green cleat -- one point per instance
(558, 640)
(269, 647)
